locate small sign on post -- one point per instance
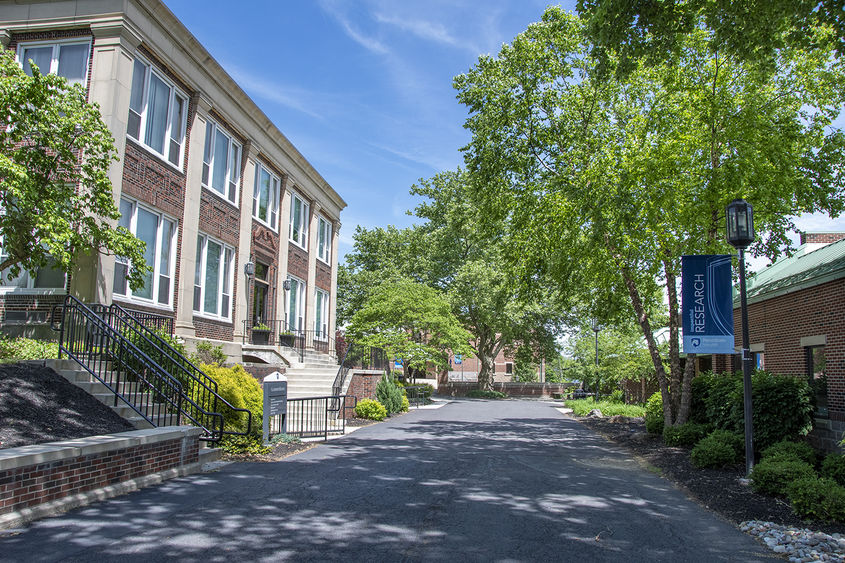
(275, 388)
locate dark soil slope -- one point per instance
(38, 405)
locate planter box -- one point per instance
(287, 340)
(261, 337)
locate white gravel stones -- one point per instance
(800, 545)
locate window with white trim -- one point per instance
(265, 199)
(321, 314)
(68, 59)
(221, 162)
(298, 220)
(45, 277)
(158, 113)
(159, 233)
(214, 278)
(324, 240)
(295, 297)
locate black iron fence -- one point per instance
(313, 417)
(355, 356)
(280, 333)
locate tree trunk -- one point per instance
(674, 351)
(485, 375)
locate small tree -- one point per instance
(56, 199)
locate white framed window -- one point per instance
(158, 113)
(321, 314)
(159, 233)
(214, 278)
(67, 58)
(45, 278)
(324, 240)
(298, 220)
(295, 297)
(265, 199)
(221, 163)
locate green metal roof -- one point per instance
(799, 271)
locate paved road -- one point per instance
(472, 481)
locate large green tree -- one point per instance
(605, 182)
(56, 197)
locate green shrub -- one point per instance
(833, 467)
(389, 395)
(285, 439)
(820, 499)
(616, 396)
(370, 409)
(782, 408)
(250, 444)
(242, 391)
(790, 450)
(654, 414)
(17, 349)
(406, 404)
(772, 476)
(716, 450)
(687, 434)
(485, 394)
(582, 407)
(736, 441)
(208, 353)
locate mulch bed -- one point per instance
(37, 405)
(280, 451)
(716, 489)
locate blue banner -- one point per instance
(707, 306)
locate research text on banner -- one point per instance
(708, 320)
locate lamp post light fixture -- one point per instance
(596, 328)
(740, 233)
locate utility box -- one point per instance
(275, 387)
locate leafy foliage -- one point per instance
(786, 450)
(687, 434)
(389, 394)
(718, 449)
(485, 394)
(772, 476)
(240, 445)
(582, 407)
(817, 498)
(209, 353)
(242, 391)
(55, 152)
(654, 414)
(370, 409)
(15, 349)
(833, 467)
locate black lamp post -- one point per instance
(740, 233)
(596, 328)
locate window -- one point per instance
(321, 315)
(295, 297)
(65, 59)
(213, 278)
(509, 368)
(324, 240)
(817, 375)
(46, 277)
(221, 163)
(157, 113)
(298, 221)
(159, 234)
(265, 199)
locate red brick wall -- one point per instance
(363, 385)
(31, 485)
(826, 238)
(780, 323)
(297, 262)
(511, 389)
(324, 277)
(215, 330)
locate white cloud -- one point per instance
(294, 98)
(369, 43)
(430, 31)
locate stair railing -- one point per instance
(203, 403)
(124, 369)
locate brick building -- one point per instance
(796, 320)
(240, 228)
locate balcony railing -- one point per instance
(279, 333)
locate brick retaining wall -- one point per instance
(512, 389)
(37, 474)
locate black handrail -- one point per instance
(140, 382)
(280, 333)
(201, 390)
(309, 417)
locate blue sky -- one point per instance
(364, 88)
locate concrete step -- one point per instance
(207, 454)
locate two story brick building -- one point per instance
(240, 229)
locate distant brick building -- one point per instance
(796, 320)
(204, 178)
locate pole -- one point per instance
(746, 368)
(598, 381)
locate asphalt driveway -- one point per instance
(472, 481)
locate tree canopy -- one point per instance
(56, 196)
(604, 180)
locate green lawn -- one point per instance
(582, 407)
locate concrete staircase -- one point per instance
(77, 375)
(313, 377)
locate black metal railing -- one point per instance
(417, 394)
(126, 370)
(203, 400)
(280, 333)
(313, 417)
(104, 357)
(359, 357)
(158, 323)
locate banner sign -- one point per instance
(707, 306)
